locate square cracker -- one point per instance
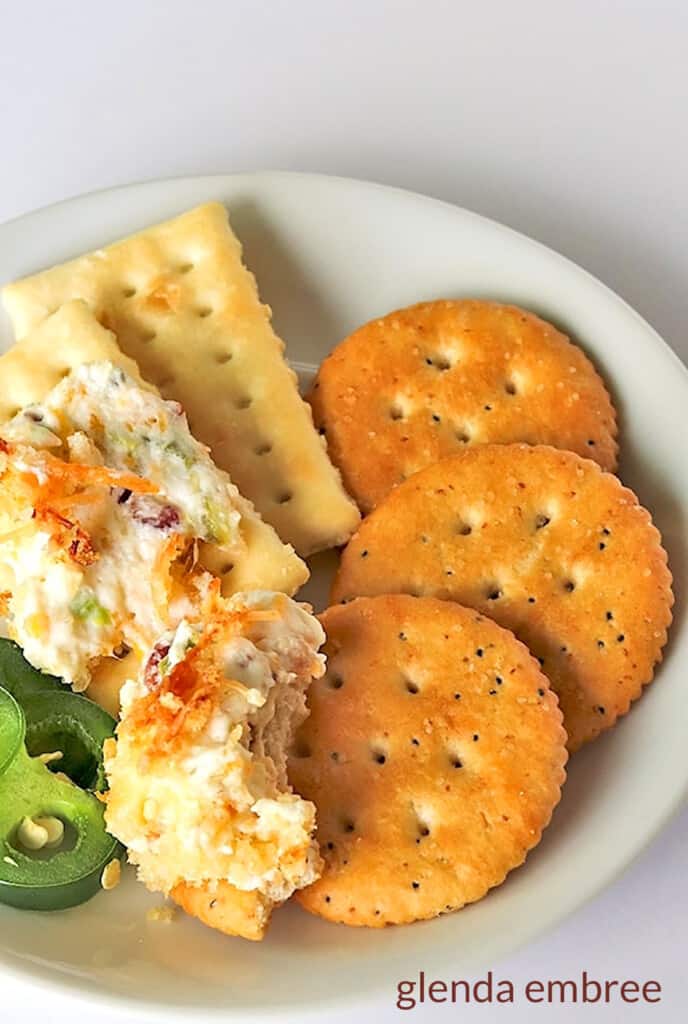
(73, 336)
(184, 306)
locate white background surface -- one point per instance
(564, 120)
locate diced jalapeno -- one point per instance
(85, 606)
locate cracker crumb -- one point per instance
(163, 914)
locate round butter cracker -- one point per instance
(547, 545)
(425, 382)
(434, 753)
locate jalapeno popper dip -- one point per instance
(198, 784)
(104, 495)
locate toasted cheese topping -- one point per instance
(104, 491)
(198, 789)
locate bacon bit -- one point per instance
(162, 517)
(5, 602)
(69, 535)
(151, 673)
(4, 446)
(81, 549)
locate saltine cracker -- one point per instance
(184, 306)
(72, 336)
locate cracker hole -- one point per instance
(463, 436)
(455, 761)
(224, 357)
(412, 687)
(185, 268)
(334, 756)
(396, 412)
(415, 885)
(600, 644)
(148, 336)
(494, 592)
(244, 402)
(609, 616)
(348, 825)
(510, 387)
(334, 681)
(284, 498)
(541, 521)
(531, 600)
(378, 756)
(463, 528)
(301, 749)
(203, 312)
(128, 293)
(620, 638)
(436, 418)
(263, 449)
(226, 568)
(415, 742)
(569, 586)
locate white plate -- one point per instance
(330, 254)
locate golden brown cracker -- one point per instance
(423, 383)
(225, 908)
(434, 753)
(72, 336)
(546, 544)
(184, 306)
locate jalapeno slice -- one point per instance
(57, 719)
(38, 714)
(11, 730)
(20, 677)
(46, 879)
